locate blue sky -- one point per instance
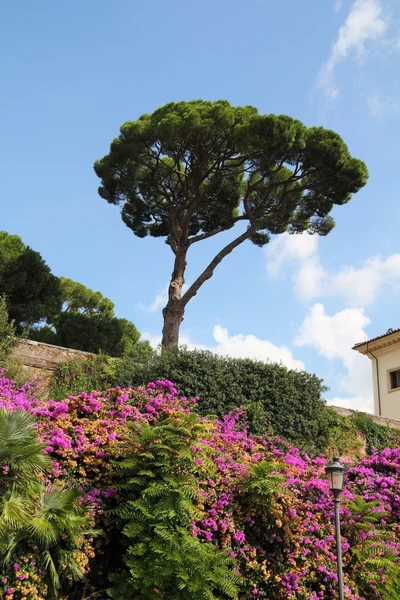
(73, 72)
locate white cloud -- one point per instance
(338, 5)
(380, 106)
(155, 340)
(302, 251)
(250, 346)
(238, 346)
(158, 303)
(184, 340)
(364, 23)
(309, 278)
(360, 403)
(290, 248)
(160, 300)
(359, 286)
(333, 338)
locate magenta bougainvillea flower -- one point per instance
(282, 542)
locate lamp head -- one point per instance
(335, 473)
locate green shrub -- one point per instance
(96, 333)
(98, 372)
(355, 434)
(290, 401)
(344, 437)
(7, 330)
(8, 339)
(376, 435)
(161, 496)
(82, 375)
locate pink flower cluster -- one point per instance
(283, 544)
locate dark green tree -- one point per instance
(112, 336)
(97, 333)
(32, 291)
(87, 322)
(7, 330)
(192, 170)
(78, 298)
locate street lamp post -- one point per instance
(335, 473)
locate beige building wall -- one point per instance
(384, 353)
(388, 360)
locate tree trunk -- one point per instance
(173, 317)
(174, 310)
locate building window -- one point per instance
(394, 379)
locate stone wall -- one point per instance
(355, 447)
(42, 359)
(345, 412)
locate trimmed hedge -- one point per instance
(289, 401)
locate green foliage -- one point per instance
(88, 323)
(188, 161)
(8, 339)
(115, 337)
(354, 434)
(160, 490)
(97, 333)
(37, 521)
(20, 449)
(78, 298)
(262, 483)
(32, 292)
(128, 368)
(82, 375)
(192, 170)
(372, 557)
(376, 435)
(7, 330)
(17, 371)
(343, 436)
(98, 372)
(42, 518)
(290, 401)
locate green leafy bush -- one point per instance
(376, 435)
(290, 401)
(8, 338)
(96, 333)
(7, 330)
(98, 372)
(161, 486)
(82, 375)
(357, 434)
(33, 292)
(43, 527)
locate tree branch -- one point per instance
(200, 194)
(209, 270)
(208, 234)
